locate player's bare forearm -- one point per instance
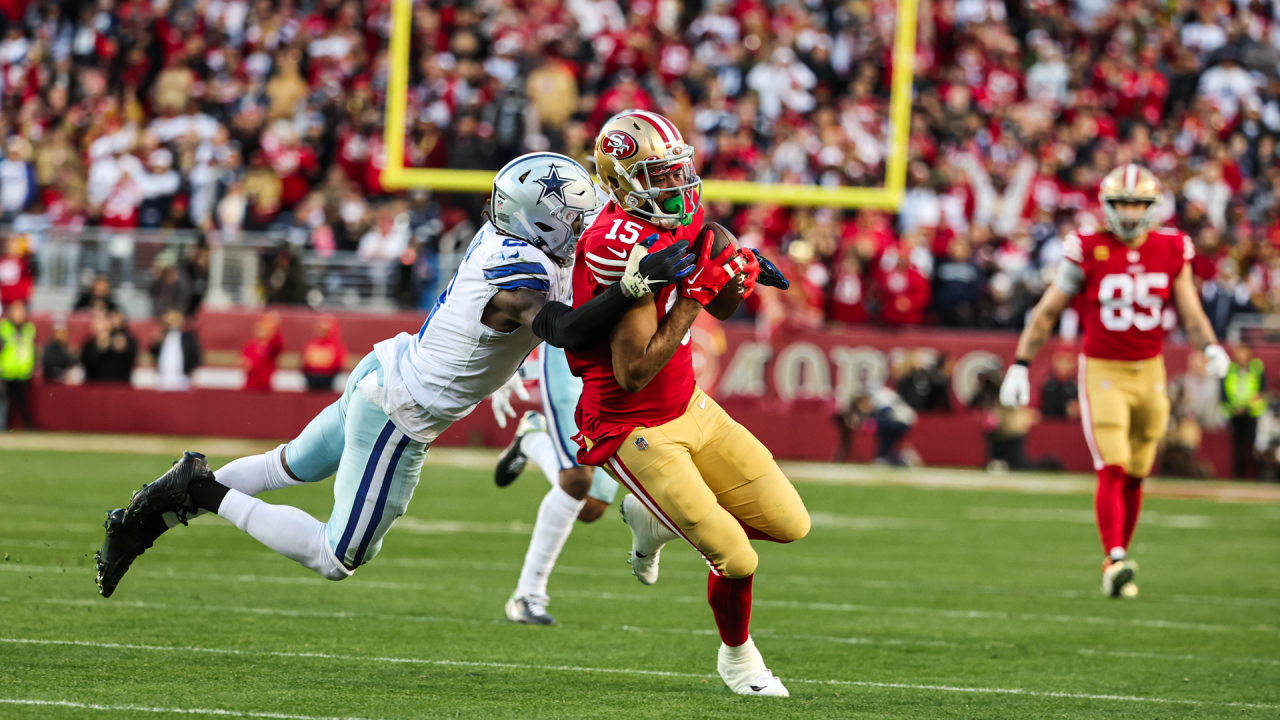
(1194, 321)
(1043, 318)
(642, 346)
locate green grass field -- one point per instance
(902, 602)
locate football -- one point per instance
(726, 302)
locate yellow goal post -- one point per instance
(396, 176)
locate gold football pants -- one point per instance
(1124, 407)
(703, 472)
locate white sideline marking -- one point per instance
(419, 526)
(632, 597)
(176, 711)
(622, 671)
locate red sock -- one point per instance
(730, 600)
(1132, 506)
(755, 534)
(1108, 505)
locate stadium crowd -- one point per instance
(229, 115)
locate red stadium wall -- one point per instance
(782, 388)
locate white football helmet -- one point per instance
(544, 199)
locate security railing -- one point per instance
(238, 271)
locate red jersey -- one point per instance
(1126, 290)
(606, 413)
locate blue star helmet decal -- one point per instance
(553, 186)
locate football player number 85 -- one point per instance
(1127, 301)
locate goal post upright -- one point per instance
(396, 176)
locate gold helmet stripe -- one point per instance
(1130, 177)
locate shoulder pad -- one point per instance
(517, 264)
(1073, 248)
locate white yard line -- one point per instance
(696, 599)
(625, 671)
(172, 711)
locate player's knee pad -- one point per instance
(1112, 442)
(1142, 456)
(740, 563)
(793, 526)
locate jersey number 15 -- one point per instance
(1127, 301)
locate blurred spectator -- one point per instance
(903, 293)
(1060, 395)
(385, 242)
(848, 302)
(923, 384)
(57, 358)
(324, 355)
(1006, 428)
(891, 418)
(1225, 296)
(1208, 191)
(177, 352)
(110, 352)
(958, 285)
(96, 297)
(1198, 396)
(18, 360)
(17, 178)
(195, 276)
(17, 271)
(167, 288)
(1243, 401)
(258, 359)
(285, 283)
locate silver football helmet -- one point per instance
(545, 199)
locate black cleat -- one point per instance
(122, 546)
(169, 493)
(511, 463)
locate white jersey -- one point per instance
(438, 376)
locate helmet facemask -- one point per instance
(671, 204)
(1129, 225)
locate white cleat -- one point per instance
(648, 535)
(743, 670)
(529, 610)
(1117, 579)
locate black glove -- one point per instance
(649, 272)
(770, 274)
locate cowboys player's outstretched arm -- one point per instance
(642, 345)
(563, 326)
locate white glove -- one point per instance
(1015, 391)
(501, 399)
(1216, 361)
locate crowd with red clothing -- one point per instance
(239, 116)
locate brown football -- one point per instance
(726, 303)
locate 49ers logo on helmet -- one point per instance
(618, 144)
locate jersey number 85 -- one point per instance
(1127, 301)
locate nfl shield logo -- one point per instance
(641, 443)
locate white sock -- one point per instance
(256, 474)
(285, 529)
(541, 449)
(556, 516)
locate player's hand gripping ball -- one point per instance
(720, 263)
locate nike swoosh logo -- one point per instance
(619, 253)
(757, 688)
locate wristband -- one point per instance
(1023, 363)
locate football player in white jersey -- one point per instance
(508, 295)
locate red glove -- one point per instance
(711, 274)
(747, 280)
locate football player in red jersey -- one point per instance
(1126, 277)
(692, 471)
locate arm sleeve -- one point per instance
(1070, 277)
(577, 330)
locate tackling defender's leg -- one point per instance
(377, 467)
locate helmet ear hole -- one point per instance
(614, 182)
(543, 227)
